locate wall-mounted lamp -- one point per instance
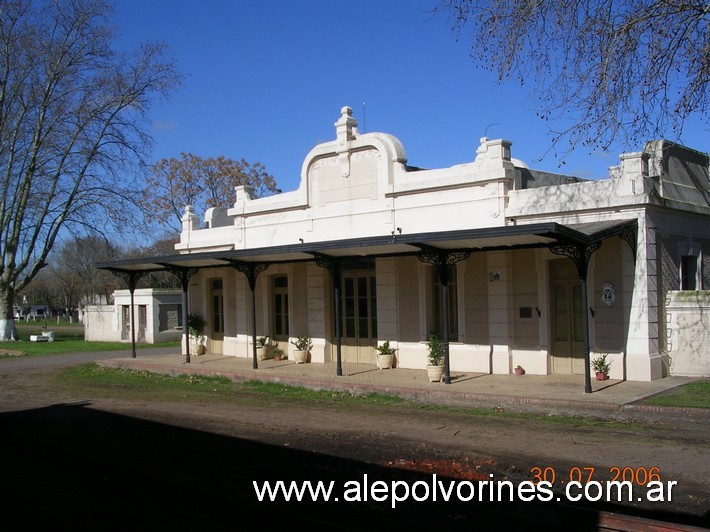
(494, 276)
(398, 231)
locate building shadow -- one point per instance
(75, 467)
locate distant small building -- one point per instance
(34, 313)
(157, 315)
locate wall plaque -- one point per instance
(608, 294)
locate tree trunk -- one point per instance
(7, 313)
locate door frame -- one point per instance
(571, 362)
(358, 348)
(215, 339)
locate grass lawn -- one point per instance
(112, 382)
(68, 338)
(694, 394)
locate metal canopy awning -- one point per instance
(440, 249)
(483, 239)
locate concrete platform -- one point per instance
(550, 394)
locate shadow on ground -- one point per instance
(71, 466)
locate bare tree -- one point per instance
(221, 175)
(72, 120)
(618, 71)
(73, 271)
(160, 247)
(202, 183)
(172, 184)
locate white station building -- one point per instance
(512, 266)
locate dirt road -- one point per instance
(111, 462)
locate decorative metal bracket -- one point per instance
(328, 263)
(441, 260)
(438, 258)
(579, 253)
(183, 274)
(250, 269)
(630, 237)
(130, 278)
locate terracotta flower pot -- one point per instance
(602, 376)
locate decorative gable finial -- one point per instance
(346, 131)
(346, 127)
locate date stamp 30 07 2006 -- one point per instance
(640, 476)
(614, 482)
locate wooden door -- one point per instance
(359, 317)
(125, 322)
(142, 322)
(567, 327)
(215, 340)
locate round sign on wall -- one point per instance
(608, 294)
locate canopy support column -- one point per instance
(333, 266)
(442, 260)
(184, 275)
(131, 279)
(251, 271)
(581, 255)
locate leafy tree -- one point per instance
(620, 71)
(72, 121)
(202, 183)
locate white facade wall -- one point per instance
(100, 324)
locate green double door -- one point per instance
(567, 319)
(359, 316)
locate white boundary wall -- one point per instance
(688, 319)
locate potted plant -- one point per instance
(385, 355)
(519, 370)
(601, 366)
(303, 346)
(276, 352)
(435, 359)
(195, 326)
(261, 348)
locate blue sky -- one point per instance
(266, 80)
